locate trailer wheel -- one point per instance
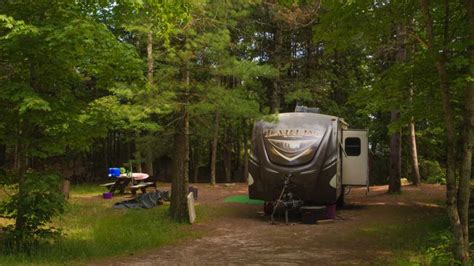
(340, 200)
(268, 207)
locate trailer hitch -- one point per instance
(288, 203)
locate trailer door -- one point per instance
(355, 158)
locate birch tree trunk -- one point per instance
(150, 72)
(414, 155)
(149, 57)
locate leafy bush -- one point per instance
(39, 202)
(432, 172)
(441, 252)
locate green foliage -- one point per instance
(432, 172)
(38, 206)
(162, 18)
(439, 253)
(93, 230)
(58, 67)
(71, 72)
(70, 62)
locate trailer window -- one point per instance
(352, 146)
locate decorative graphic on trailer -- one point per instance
(292, 144)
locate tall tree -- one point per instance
(458, 189)
(215, 138)
(468, 135)
(180, 181)
(51, 96)
(394, 185)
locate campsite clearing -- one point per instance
(373, 229)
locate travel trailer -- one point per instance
(305, 159)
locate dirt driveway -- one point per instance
(241, 235)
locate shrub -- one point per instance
(432, 172)
(36, 206)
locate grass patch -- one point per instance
(424, 241)
(243, 199)
(94, 230)
(84, 189)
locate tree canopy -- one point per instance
(176, 86)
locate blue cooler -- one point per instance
(114, 172)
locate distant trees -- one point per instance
(106, 82)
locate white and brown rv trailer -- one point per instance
(306, 159)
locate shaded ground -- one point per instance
(239, 234)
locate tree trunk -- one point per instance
(180, 182)
(138, 159)
(149, 162)
(275, 104)
(66, 187)
(466, 172)
(394, 185)
(22, 190)
(246, 153)
(149, 57)
(414, 155)
(416, 178)
(468, 139)
(195, 173)
(227, 154)
(3, 155)
(456, 217)
(195, 164)
(214, 150)
(395, 139)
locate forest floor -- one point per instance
(373, 229)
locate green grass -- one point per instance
(424, 241)
(243, 199)
(93, 230)
(84, 189)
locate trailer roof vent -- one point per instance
(305, 109)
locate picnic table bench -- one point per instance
(142, 186)
(120, 184)
(134, 182)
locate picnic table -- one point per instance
(134, 181)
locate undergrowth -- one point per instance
(424, 241)
(93, 230)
